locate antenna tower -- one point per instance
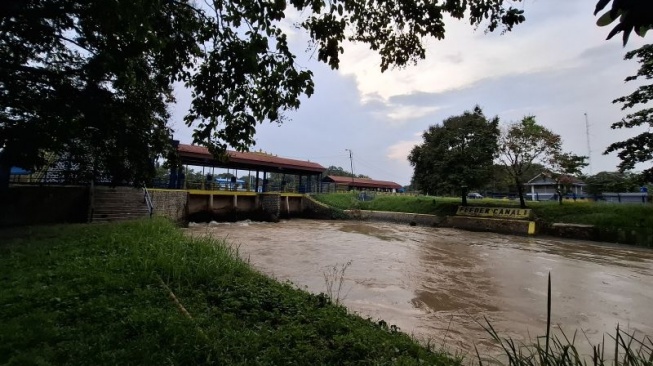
(589, 149)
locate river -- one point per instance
(438, 284)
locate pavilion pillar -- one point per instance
(185, 175)
(256, 184)
(203, 179)
(265, 181)
(533, 193)
(319, 183)
(172, 178)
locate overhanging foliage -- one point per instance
(91, 81)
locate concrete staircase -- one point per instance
(119, 203)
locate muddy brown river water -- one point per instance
(437, 283)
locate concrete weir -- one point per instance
(182, 204)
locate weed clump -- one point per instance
(561, 350)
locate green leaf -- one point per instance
(605, 19)
(641, 31)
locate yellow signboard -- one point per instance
(495, 212)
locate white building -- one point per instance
(543, 187)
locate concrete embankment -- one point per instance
(506, 226)
(398, 217)
(502, 226)
(597, 233)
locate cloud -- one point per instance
(555, 66)
(401, 114)
(467, 56)
(400, 150)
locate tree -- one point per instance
(340, 172)
(524, 144)
(634, 15)
(502, 182)
(92, 80)
(564, 167)
(457, 154)
(613, 182)
(637, 149)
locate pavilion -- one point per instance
(362, 183)
(308, 173)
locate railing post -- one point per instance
(91, 201)
(148, 200)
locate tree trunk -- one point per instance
(520, 191)
(5, 171)
(464, 195)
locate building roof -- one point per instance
(545, 179)
(361, 182)
(200, 155)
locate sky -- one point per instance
(556, 66)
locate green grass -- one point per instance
(103, 294)
(413, 204)
(593, 213)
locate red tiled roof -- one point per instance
(362, 182)
(250, 159)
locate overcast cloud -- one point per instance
(556, 66)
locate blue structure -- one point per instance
(638, 197)
(230, 184)
(19, 171)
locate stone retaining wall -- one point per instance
(169, 203)
(504, 226)
(270, 203)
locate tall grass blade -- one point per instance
(616, 347)
(548, 321)
(478, 356)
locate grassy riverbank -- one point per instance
(143, 293)
(633, 217)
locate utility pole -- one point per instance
(351, 163)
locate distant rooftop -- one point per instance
(200, 155)
(361, 182)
